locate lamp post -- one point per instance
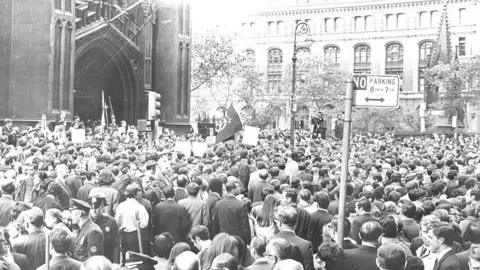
(300, 28)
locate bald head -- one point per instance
(288, 265)
(187, 260)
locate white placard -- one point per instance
(210, 140)
(199, 149)
(376, 91)
(251, 135)
(184, 147)
(78, 135)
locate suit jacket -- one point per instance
(125, 180)
(363, 257)
(463, 259)
(357, 222)
(212, 200)
(64, 198)
(62, 262)
(256, 189)
(197, 210)
(32, 246)
(306, 177)
(113, 196)
(410, 229)
(74, 183)
(303, 222)
(304, 246)
(180, 194)
(348, 244)
(84, 191)
(449, 261)
(89, 241)
(6, 205)
(260, 264)
(47, 202)
(315, 228)
(21, 260)
(171, 217)
(232, 217)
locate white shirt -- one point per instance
(127, 214)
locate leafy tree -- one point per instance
(213, 56)
(458, 84)
(319, 84)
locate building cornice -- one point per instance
(370, 6)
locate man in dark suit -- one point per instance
(347, 242)
(243, 170)
(282, 175)
(49, 201)
(6, 201)
(7, 130)
(74, 183)
(472, 233)
(410, 228)
(125, 180)
(169, 216)
(319, 218)
(232, 214)
(256, 189)
(364, 257)
(286, 218)
(303, 216)
(439, 239)
(33, 244)
(61, 240)
(180, 192)
(215, 195)
(362, 208)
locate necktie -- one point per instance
(435, 266)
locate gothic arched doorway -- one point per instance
(95, 71)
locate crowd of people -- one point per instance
(117, 202)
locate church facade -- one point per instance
(61, 55)
(389, 37)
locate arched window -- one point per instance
(425, 53)
(362, 62)
(332, 55)
(303, 51)
(249, 57)
(274, 69)
(394, 60)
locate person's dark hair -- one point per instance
(330, 252)
(216, 185)
(347, 225)
(305, 195)
(274, 172)
(445, 231)
(259, 243)
(370, 231)
(35, 217)
(428, 207)
(287, 215)
(408, 209)
(414, 263)
(199, 231)
(221, 243)
(177, 249)
(61, 239)
(472, 233)
(169, 192)
(193, 189)
(282, 247)
(389, 227)
(391, 256)
(242, 248)
(365, 204)
(442, 215)
(437, 188)
(295, 183)
(182, 181)
(322, 198)
(292, 195)
(419, 213)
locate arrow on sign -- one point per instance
(374, 99)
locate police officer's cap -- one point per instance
(97, 199)
(76, 204)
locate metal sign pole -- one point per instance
(345, 157)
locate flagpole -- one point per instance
(102, 123)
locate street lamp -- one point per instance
(303, 29)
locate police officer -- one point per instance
(108, 225)
(89, 241)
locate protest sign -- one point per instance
(251, 135)
(78, 135)
(184, 147)
(199, 149)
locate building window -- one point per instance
(425, 52)
(332, 55)
(271, 28)
(435, 19)
(462, 47)
(362, 62)
(369, 23)
(249, 58)
(57, 63)
(280, 27)
(148, 56)
(461, 16)
(252, 29)
(274, 70)
(359, 24)
(329, 25)
(302, 52)
(394, 60)
(425, 19)
(338, 25)
(391, 21)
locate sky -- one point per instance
(208, 13)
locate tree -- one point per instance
(213, 56)
(259, 109)
(318, 83)
(458, 84)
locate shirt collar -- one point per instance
(441, 254)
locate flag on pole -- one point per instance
(112, 113)
(102, 123)
(231, 125)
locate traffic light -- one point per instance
(154, 104)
